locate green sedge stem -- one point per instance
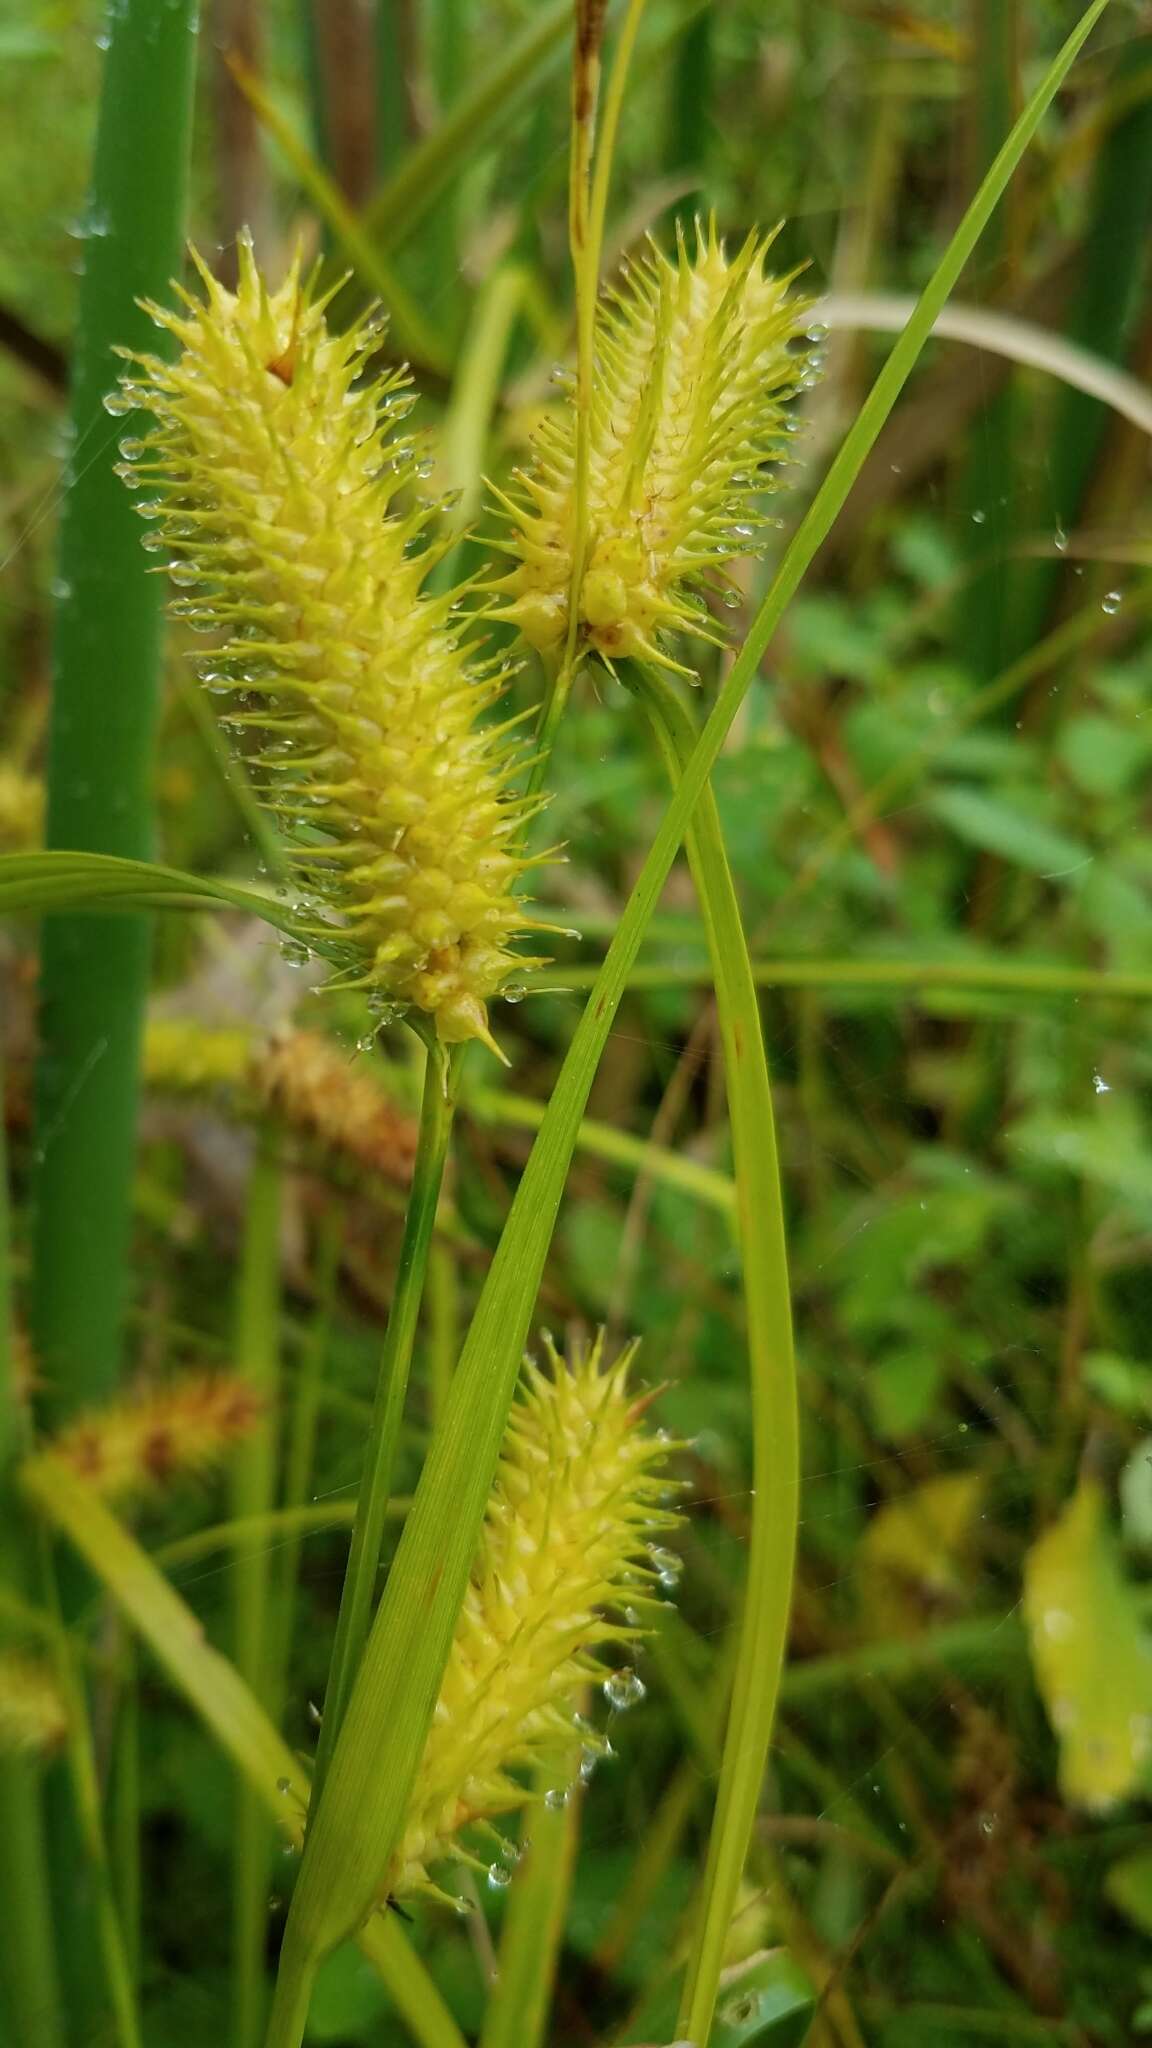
(772, 1364)
(254, 1493)
(356, 1600)
(29, 1990)
(105, 700)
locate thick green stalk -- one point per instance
(254, 1493)
(772, 1368)
(357, 1597)
(104, 707)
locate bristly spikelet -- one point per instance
(567, 1556)
(694, 361)
(132, 1447)
(299, 1078)
(278, 471)
(33, 1720)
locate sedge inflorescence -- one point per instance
(694, 361)
(289, 515)
(299, 1079)
(569, 1560)
(129, 1448)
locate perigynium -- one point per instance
(287, 507)
(570, 1559)
(694, 361)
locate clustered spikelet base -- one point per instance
(566, 1563)
(695, 359)
(288, 514)
(129, 1448)
(299, 1078)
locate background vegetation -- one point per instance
(935, 807)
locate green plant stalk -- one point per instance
(411, 331)
(257, 1352)
(106, 669)
(374, 1765)
(301, 1446)
(228, 1710)
(125, 1806)
(86, 1794)
(704, 1184)
(29, 1991)
(404, 199)
(772, 1367)
(588, 185)
(352, 1624)
(912, 976)
(516, 2014)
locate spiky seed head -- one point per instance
(298, 1078)
(33, 1719)
(565, 1565)
(285, 505)
(129, 1448)
(695, 359)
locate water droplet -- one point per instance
(1058, 1624)
(555, 1799)
(1060, 540)
(731, 600)
(623, 1689)
(817, 332)
(669, 1568)
(367, 1042)
(514, 993)
(118, 402)
(1111, 602)
(183, 573)
(61, 588)
(283, 1784)
(989, 1822)
(132, 447)
(1101, 1086)
(499, 1877)
(979, 516)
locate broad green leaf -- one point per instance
(997, 826)
(1091, 1654)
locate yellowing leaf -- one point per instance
(1091, 1654)
(910, 1547)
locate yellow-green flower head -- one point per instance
(694, 360)
(288, 517)
(569, 1554)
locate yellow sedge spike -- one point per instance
(694, 362)
(33, 1721)
(298, 1078)
(570, 1551)
(132, 1447)
(285, 508)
